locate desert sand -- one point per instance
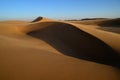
(46, 49)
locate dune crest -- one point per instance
(38, 19)
(41, 19)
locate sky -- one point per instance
(59, 9)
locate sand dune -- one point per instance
(38, 19)
(68, 39)
(112, 39)
(47, 49)
(41, 19)
(102, 22)
(111, 25)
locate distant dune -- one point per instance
(93, 19)
(45, 49)
(40, 19)
(37, 19)
(112, 25)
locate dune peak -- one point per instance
(38, 19)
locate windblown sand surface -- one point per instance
(46, 49)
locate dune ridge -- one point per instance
(37, 19)
(41, 19)
(106, 34)
(77, 41)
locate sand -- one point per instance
(45, 49)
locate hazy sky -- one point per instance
(58, 9)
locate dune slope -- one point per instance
(72, 41)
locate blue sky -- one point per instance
(58, 9)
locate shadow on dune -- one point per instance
(111, 29)
(110, 23)
(74, 42)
